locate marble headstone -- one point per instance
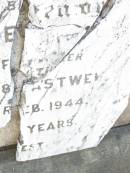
(76, 60)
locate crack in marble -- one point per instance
(104, 12)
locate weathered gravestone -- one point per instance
(76, 62)
(9, 12)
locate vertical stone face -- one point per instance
(76, 60)
(9, 12)
(67, 70)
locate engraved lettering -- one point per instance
(47, 13)
(31, 128)
(61, 79)
(35, 108)
(82, 6)
(9, 33)
(49, 83)
(75, 80)
(87, 80)
(69, 123)
(60, 124)
(4, 63)
(5, 88)
(7, 109)
(11, 5)
(24, 148)
(66, 9)
(51, 126)
(40, 127)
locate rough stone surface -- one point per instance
(74, 90)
